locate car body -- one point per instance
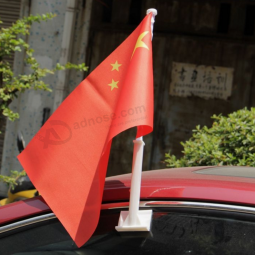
(196, 210)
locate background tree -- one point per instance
(10, 85)
(230, 141)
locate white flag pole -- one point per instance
(135, 219)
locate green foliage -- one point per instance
(10, 85)
(11, 180)
(230, 141)
(10, 42)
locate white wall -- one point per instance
(46, 39)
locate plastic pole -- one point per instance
(135, 220)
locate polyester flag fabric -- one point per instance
(67, 159)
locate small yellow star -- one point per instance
(113, 84)
(115, 66)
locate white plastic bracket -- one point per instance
(135, 220)
(143, 221)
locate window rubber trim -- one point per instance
(143, 205)
(26, 222)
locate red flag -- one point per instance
(67, 159)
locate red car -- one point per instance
(198, 210)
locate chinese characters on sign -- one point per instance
(202, 81)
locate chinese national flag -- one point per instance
(67, 159)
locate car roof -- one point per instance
(218, 184)
(235, 185)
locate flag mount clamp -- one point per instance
(143, 221)
(135, 219)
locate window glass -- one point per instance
(173, 232)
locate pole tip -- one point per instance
(154, 11)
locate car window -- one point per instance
(173, 232)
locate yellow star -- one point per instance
(115, 66)
(140, 43)
(113, 84)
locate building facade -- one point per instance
(62, 39)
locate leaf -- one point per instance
(229, 141)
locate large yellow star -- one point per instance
(140, 43)
(115, 66)
(114, 84)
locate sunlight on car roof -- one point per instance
(234, 171)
